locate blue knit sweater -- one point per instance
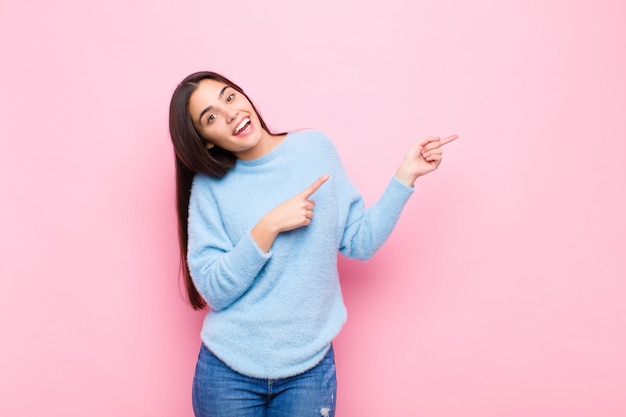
(273, 315)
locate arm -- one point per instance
(368, 229)
(222, 272)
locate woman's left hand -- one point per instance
(421, 158)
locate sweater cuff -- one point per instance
(253, 249)
(394, 198)
(397, 186)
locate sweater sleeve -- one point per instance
(367, 229)
(221, 270)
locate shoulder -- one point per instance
(201, 180)
(312, 138)
(201, 186)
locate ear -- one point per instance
(209, 146)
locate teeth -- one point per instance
(241, 125)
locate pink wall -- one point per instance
(502, 291)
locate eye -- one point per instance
(211, 118)
(230, 97)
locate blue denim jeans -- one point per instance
(218, 391)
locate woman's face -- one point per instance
(225, 118)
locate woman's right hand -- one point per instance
(291, 214)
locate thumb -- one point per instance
(427, 140)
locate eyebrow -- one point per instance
(219, 97)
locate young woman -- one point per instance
(262, 217)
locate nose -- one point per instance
(231, 115)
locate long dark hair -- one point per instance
(191, 157)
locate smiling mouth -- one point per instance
(242, 127)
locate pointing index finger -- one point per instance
(311, 189)
(448, 139)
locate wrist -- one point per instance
(264, 234)
(406, 177)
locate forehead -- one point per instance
(206, 94)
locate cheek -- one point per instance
(214, 134)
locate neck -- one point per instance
(266, 144)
